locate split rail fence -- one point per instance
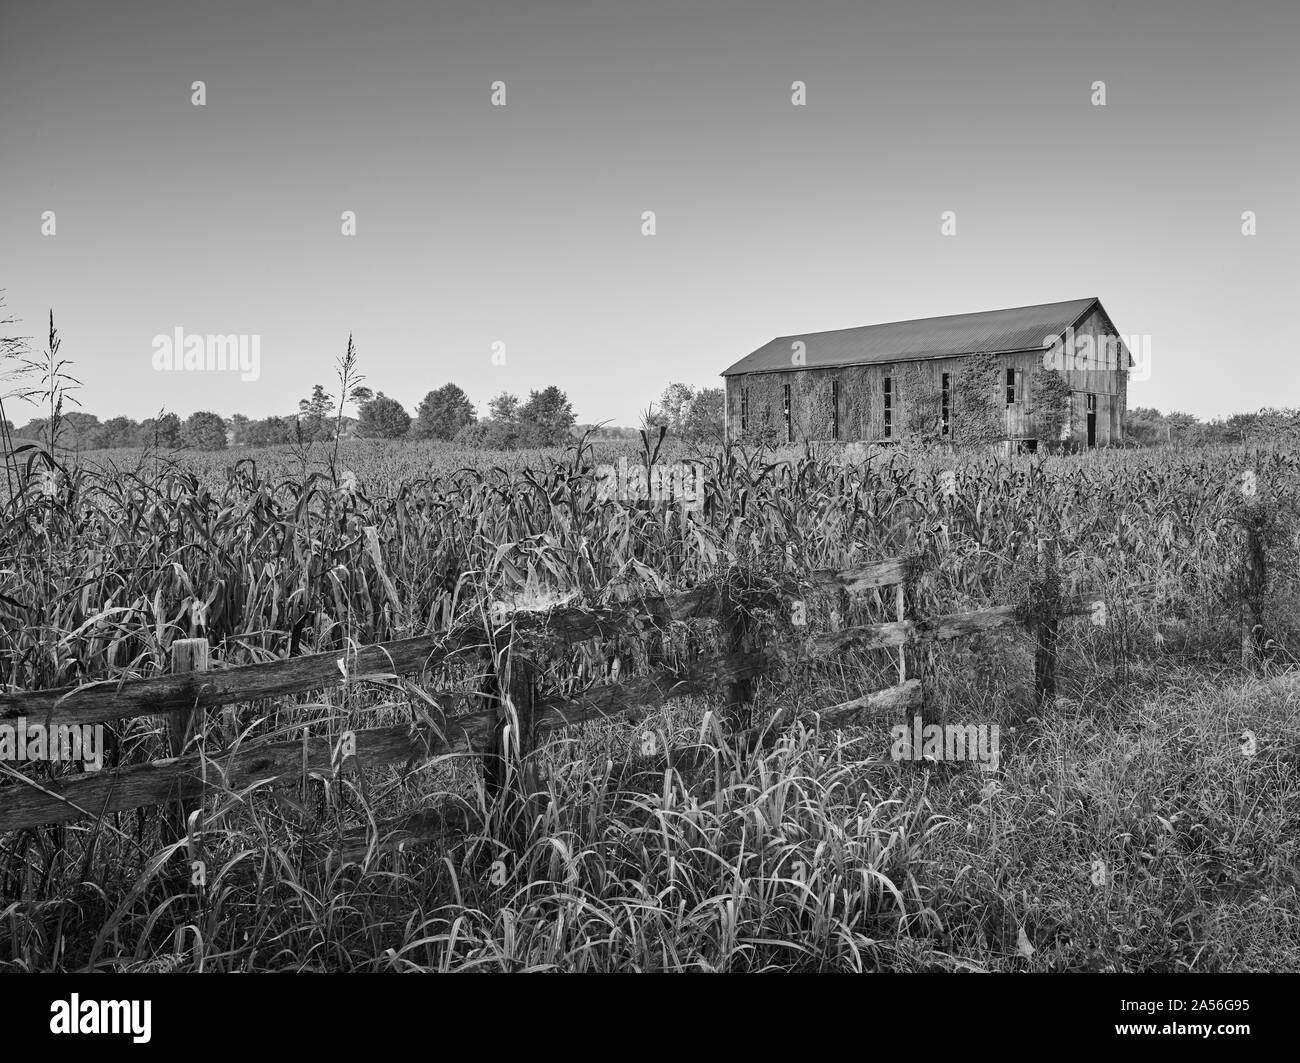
(181, 698)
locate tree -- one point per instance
(673, 406)
(1279, 426)
(1144, 427)
(703, 417)
(33, 429)
(1182, 427)
(205, 431)
(545, 419)
(269, 432)
(695, 416)
(505, 407)
(443, 413)
(1240, 426)
(320, 404)
(1215, 431)
(499, 431)
(314, 413)
(383, 418)
(77, 430)
(238, 425)
(474, 434)
(490, 435)
(165, 430)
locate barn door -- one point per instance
(1092, 420)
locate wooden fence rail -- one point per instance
(113, 699)
(181, 698)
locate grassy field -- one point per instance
(1124, 829)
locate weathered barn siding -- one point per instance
(1107, 379)
(861, 400)
(861, 394)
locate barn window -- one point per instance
(789, 426)
(744, 409)
(946, 405)
(889, 406)
(1011, 387)
(835, 409)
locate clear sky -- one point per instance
(522, 224)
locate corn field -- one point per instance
(103, 564)
(101, 570)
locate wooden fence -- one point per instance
(194, 687)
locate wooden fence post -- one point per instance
(502, 770)
(1253, 636)
(520, 693)
(900, 614)
(1046, 608)
(494, 775)
(923, 662)
(187, 655)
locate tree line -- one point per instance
(545, 419)
(444, 414)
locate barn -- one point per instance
(984, 377)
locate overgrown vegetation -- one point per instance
(1051, 405)
(819, 855)
(977, 417)
(922, 399)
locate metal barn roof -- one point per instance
(1018, 329)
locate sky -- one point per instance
(503, 248)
